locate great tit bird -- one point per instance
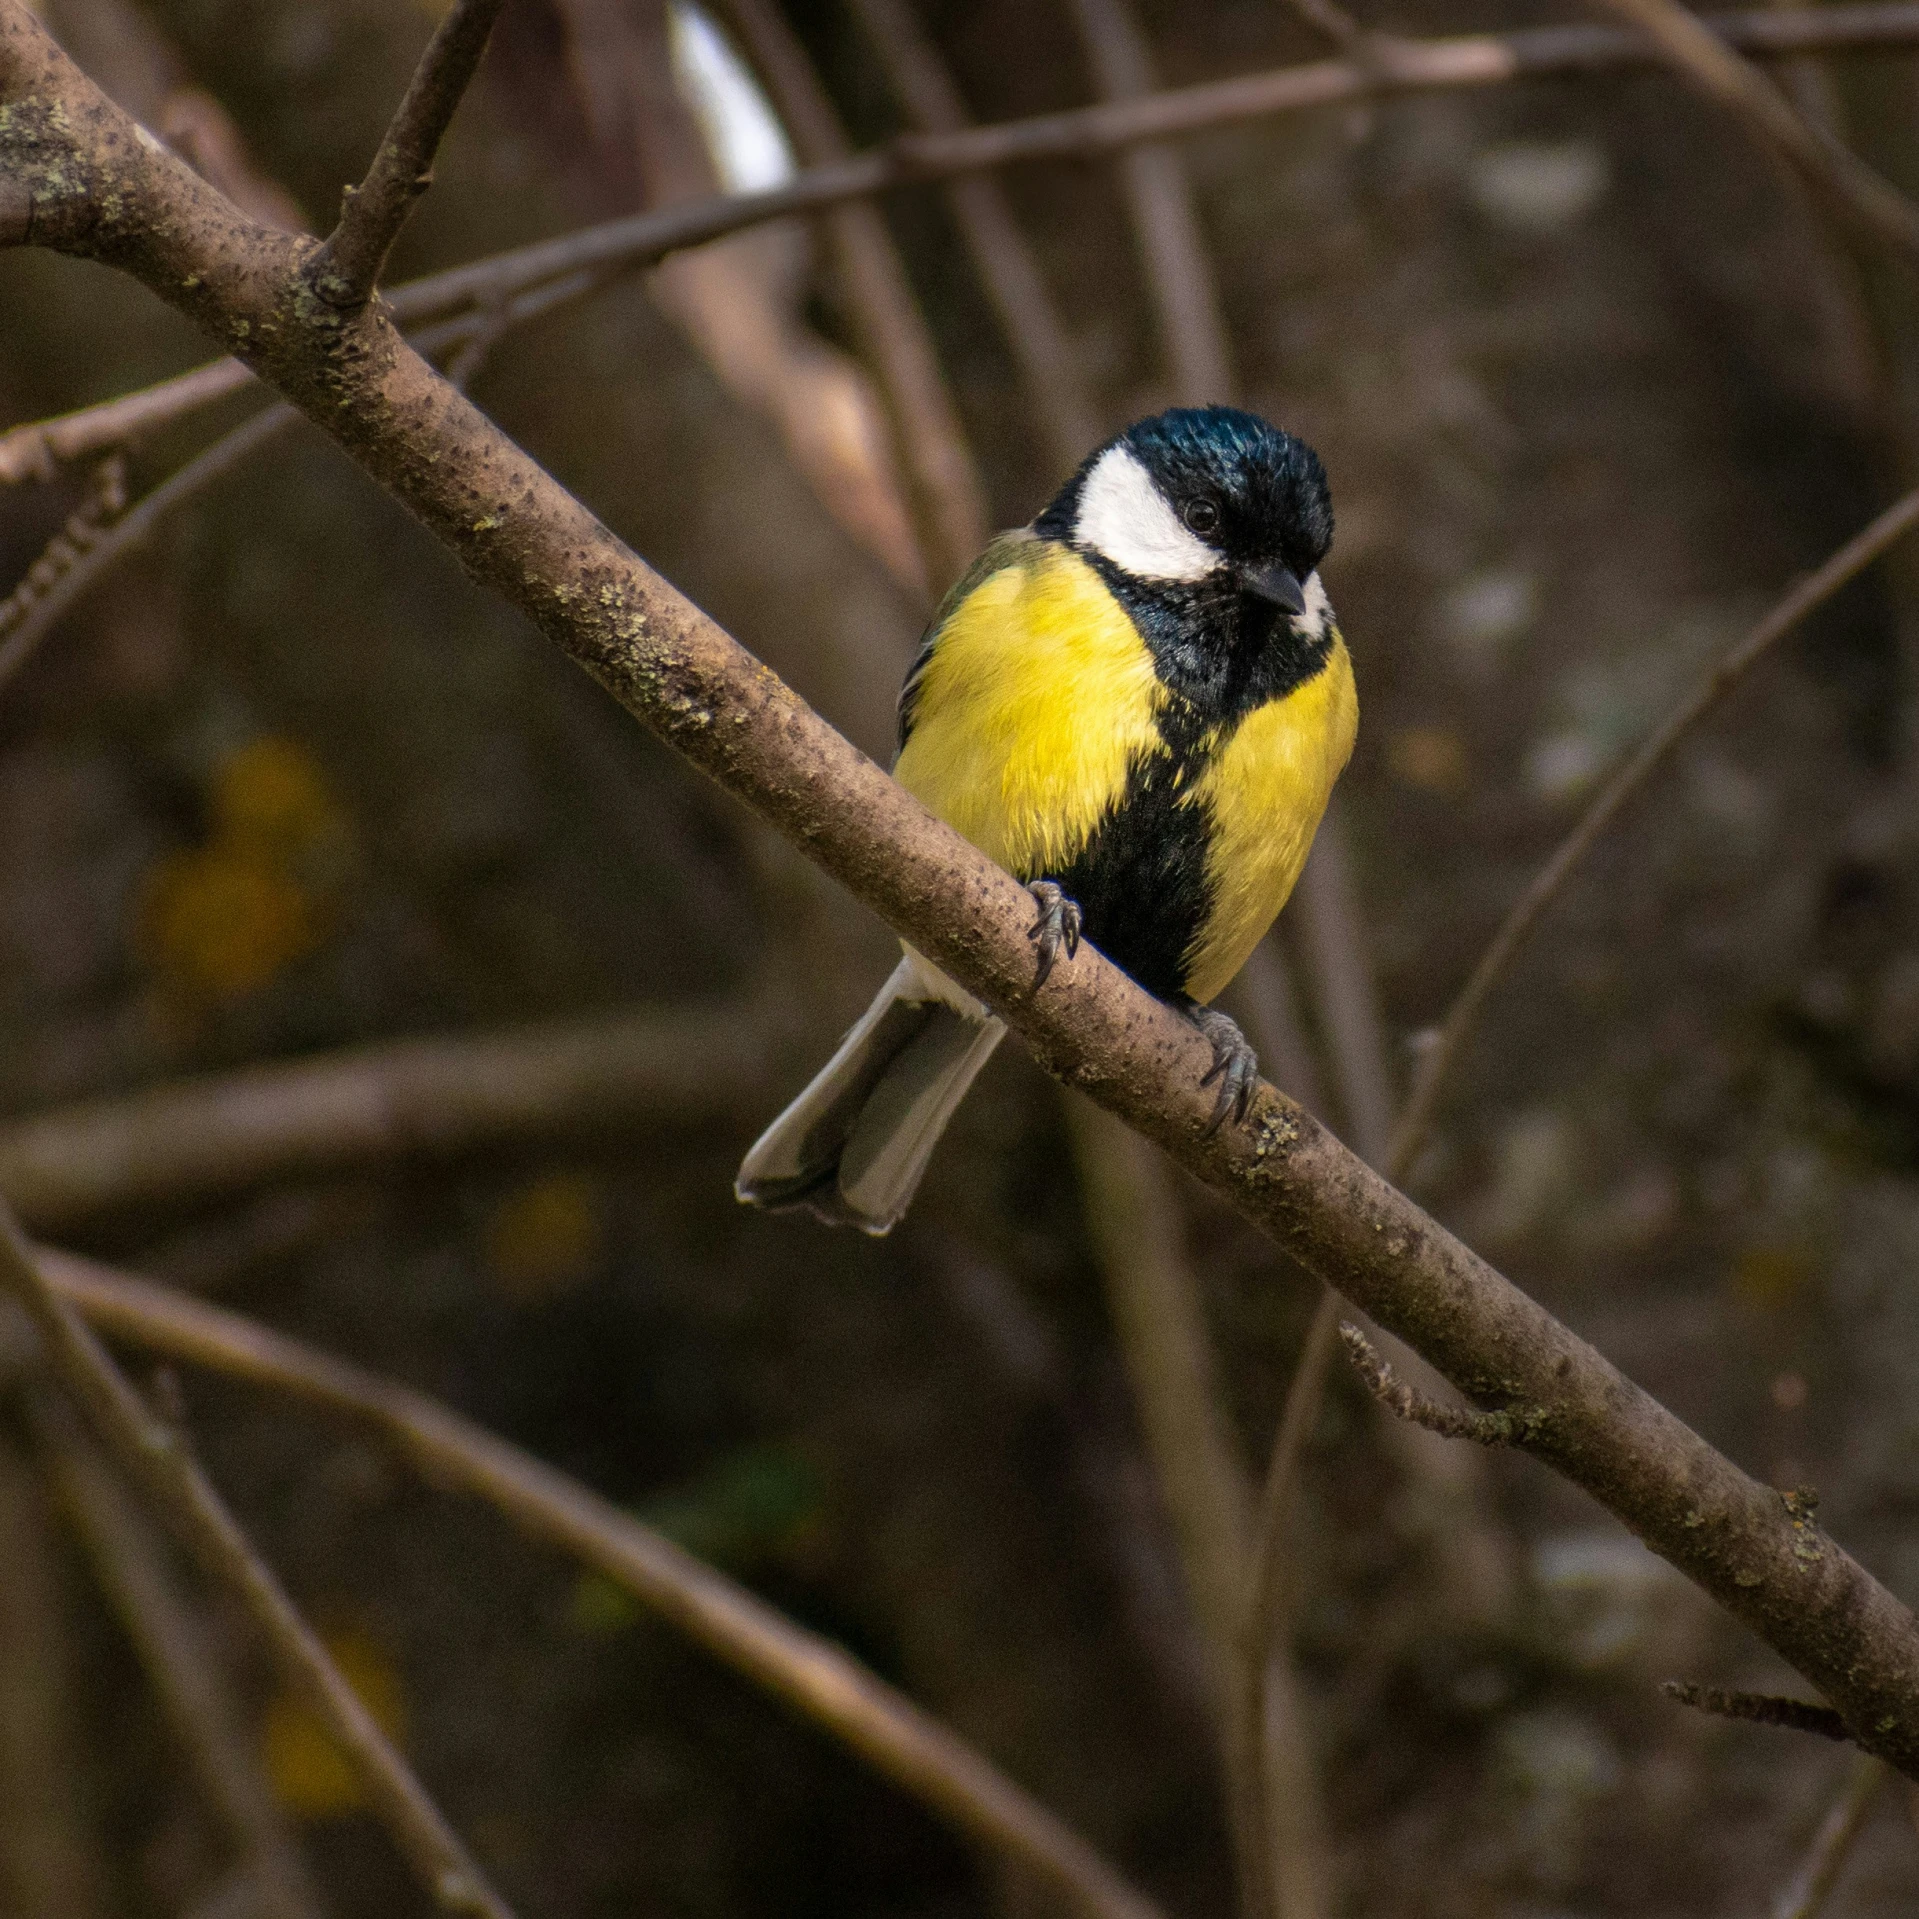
(1138, 705)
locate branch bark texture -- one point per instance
(101, 191)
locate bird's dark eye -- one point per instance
(1202, 516)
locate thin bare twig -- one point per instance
(1438, 1060)
(39, 449)
(1268, 1008)
(1760, 1709)
(1008, 269)
(86, 527)
(157, 1456)
(51, 1847)
(179, 1659)
(1153, 1294)
(638, 240)
(1869, 204)
(124, 535)
(932, 443)
(347, 265)
(1275, 1879)
(472, 334)
(1804, 1895)
(1326, 909)
(417, 1098)
(811, 1674)
(1267, 1609)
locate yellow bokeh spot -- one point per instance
(546, 1237)
(272, 794)
(1770, 1277)
(310, 1773)
(221, 920)
(222, 924)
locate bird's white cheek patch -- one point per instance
(1124, 517)
(1318, 615)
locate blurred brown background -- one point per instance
(1592, 383)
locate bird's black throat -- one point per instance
(1222, 651)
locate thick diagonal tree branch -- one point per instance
(348, 263)
(100, 191)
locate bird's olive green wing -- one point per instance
(1008, 549)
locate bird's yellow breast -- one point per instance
(1267, 788)
(1037, 698)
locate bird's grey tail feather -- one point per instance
(851, 1149)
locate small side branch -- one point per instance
(1449, 1422)
(154, 1454)
(1760, 1709)
(106, 500)
(102, 533)
(344, 270)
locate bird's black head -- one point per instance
(1202, 493)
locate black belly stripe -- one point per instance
(1141, 880)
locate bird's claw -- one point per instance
(1235, 1066)
(1057, 928)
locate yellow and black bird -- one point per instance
(1138, 705)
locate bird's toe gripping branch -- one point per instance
(1056, 929)
(1235, 1065)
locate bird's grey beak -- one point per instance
(1276, 583)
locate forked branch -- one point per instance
(347, 266)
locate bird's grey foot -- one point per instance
(1056, 929)
(1235, 1065)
